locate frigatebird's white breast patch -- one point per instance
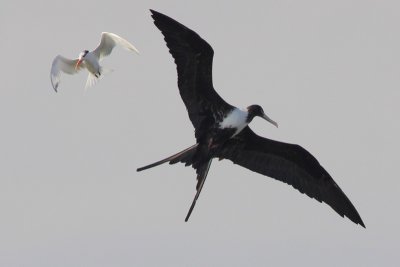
(237, 118)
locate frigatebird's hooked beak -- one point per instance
(265, 117)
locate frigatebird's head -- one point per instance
(81, 58)
(256, 110)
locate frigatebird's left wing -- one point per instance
(194, 58)
(291, 164)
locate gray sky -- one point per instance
(326, 71)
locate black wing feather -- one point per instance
(194, 58)
(291, 164)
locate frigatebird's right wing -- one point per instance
(194, 58)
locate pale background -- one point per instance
(326, 71)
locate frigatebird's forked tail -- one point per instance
(202, 172)
(186, 156)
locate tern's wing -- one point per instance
(63, 64)
(108, 42)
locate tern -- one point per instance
(222, 131)
(89, 60)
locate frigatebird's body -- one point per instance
(222, 130)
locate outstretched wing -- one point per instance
(108, 42)
(194, 58)
(62, 64)
(291, 164)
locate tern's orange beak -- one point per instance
(78, 64)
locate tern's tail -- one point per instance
(93, 79)
(185, 156)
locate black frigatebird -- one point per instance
(222, 130)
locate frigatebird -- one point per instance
(222, 130)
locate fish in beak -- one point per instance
(78, 63)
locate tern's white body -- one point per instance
(92, 64)
(89, 60)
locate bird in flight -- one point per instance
(89, 60)
(222, 131)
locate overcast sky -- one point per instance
(326, 71)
